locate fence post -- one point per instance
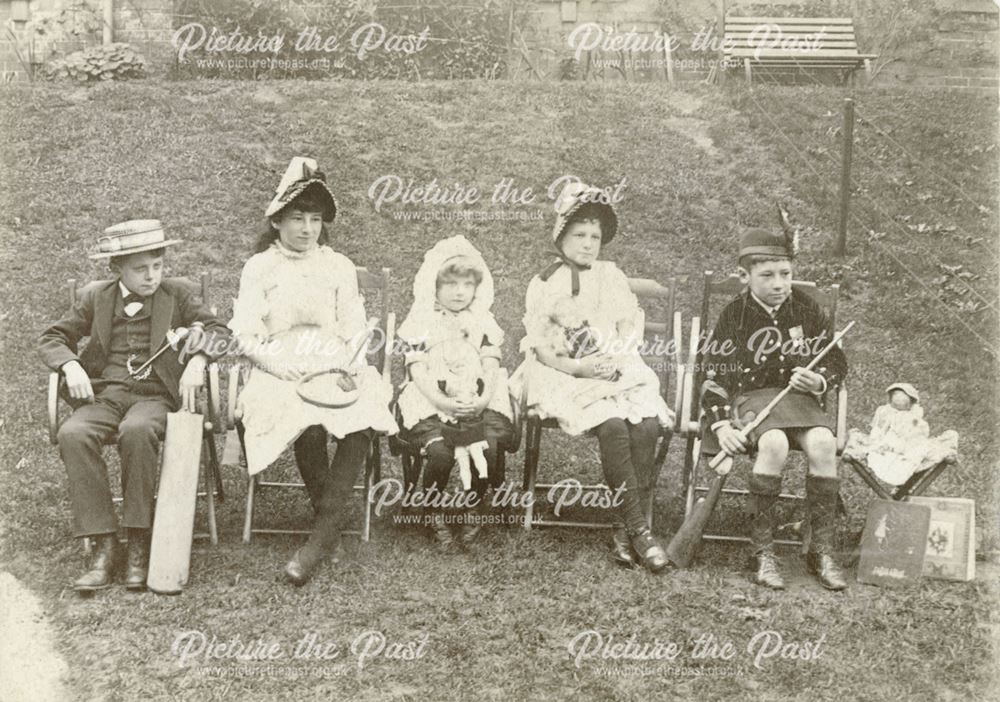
(107, 25)
(847, 132)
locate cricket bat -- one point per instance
(173, 521)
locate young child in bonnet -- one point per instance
(452, 297)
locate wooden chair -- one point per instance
(372, 284)
(665, 326)
(691, 428)
(792, 43)
(211, 474)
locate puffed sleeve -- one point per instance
(250, 308)
(535, 313)
(350, 303)
(621, 301)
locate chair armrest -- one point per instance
(55, 385)
(690, 424)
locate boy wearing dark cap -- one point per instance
(762, 342)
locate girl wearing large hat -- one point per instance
(609, 392)
(299, 309)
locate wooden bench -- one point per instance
(793, 42)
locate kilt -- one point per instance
(797, 410)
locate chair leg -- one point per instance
(533, 449)
(210, 473)
(370, 470)
(248, 518)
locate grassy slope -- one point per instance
(205, 156)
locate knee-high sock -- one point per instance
(821, 496)
(764, 491)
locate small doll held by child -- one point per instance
(460, 372)
(899, 444)
(457, 399)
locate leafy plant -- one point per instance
(112, 62)
(39, 40)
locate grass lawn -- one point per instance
(205, 157)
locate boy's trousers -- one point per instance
(138, 422)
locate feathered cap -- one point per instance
(763, 242)
(301, 175)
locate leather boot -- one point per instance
(440, 531)
(821, 496)
(322, 543)
(766, 571)
(138, 559)
(621, 549)
(764, 491)
(649, 550)
(472, 521)
(102, 564)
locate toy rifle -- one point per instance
(683, 546)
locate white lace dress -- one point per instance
(579, 404)
(282, 291)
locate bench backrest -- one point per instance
(826, 40)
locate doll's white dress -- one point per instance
(899, 444)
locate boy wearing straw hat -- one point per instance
(762, 343)
(120, 387)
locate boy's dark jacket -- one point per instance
(730, 374)
(171, 306)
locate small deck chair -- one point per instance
(211, 474)
(664, 325)
(372, 284)
(915, 486)
(696, 472)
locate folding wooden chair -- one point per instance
(665, 325)
(211, 474)
(372, 284)
(695, 468)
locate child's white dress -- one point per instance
(428, 326)
(579, 404)
(283, 290)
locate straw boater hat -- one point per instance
(301, 175)
(761, 242)
(572, 198)
(134, 236)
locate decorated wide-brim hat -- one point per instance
(910, 391)
(301, 175)
(762, 242)
(576, 195)
(134, 236)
